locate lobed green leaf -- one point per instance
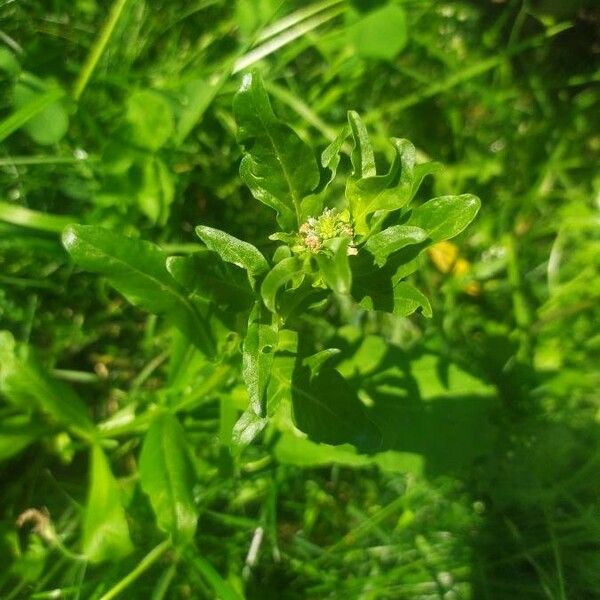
(278, 167)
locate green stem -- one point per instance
(143, 566)
(98, 48)
(521, 308)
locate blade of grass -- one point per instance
(285, 38)
(19, 215)
(294, 18)
(222, 589)
(303, 110)
(141, 568)
(98, 48)
(16, 161)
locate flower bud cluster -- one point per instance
(328, 225)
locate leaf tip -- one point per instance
(69, 237)
(246, 81)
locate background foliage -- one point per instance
(121, 116)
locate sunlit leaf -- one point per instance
(446, 216)
(278, 167)
(394, 238)
(257, 357)
(233, 250)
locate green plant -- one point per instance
(334, 256)
(237, 312)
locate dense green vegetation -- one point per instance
(240, 357)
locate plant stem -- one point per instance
(143, 566)
(98, 48)
(521, 308)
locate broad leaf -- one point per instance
(156, 191)
(381, 34)
(276, 278)
(373, 287)
(105, 530)
(248, 426)
(336, 268)
(363, 158)
(137, 270)
(390, 240)
(167, 476)
(317, 360)
(330, 159)
(408, 298)
(389, 192)
(233, 250)
(25, 383)
(50, 124)
(206, 275)
(257, 357)
(446, 216)
(278, 167)
(312, 205)
(150, 119)
(327, 408)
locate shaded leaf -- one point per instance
(137, 270)
(373, 287)
(408, 298)
(105, 530)
(27, 384)
(207, 276)
(336, 269)
(316, 361)
(167, 477)
(328, 409)
(276, 278)
(150, 119)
